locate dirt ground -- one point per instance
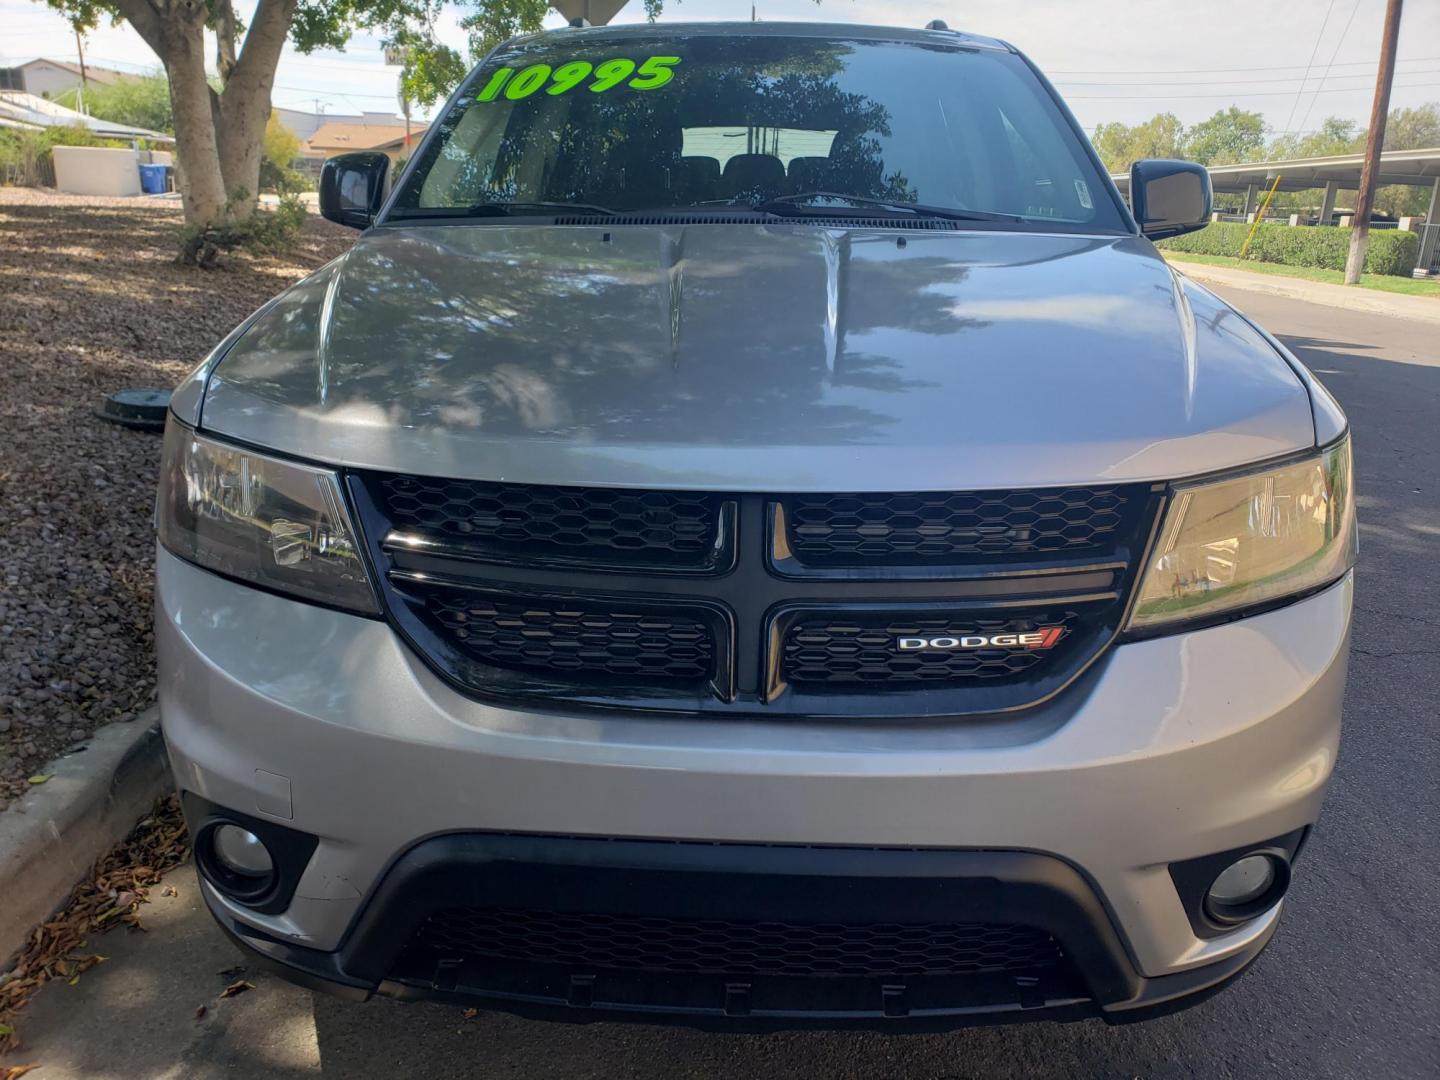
(92, 301)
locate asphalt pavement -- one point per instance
(1350, 986)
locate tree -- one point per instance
(1334, 136)
(1120, 144)
(1413, 129)
(1231, 135)
(1409, 129)
(219, 132)
(140, 102)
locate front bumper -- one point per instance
(724, 886)
(1167, 749)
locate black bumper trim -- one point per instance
(740, 881)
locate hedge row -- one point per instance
(1325, 247)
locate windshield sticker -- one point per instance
(1082, 192)
(516, 85)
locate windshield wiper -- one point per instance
(795, 204)
(496, 209)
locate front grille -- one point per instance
(565, 637)
(735, 603)
(605, 524)
(870, 530)
(831, 650)
(712, 946)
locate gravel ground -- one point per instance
(91, 301)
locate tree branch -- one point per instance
(148, 19)
(255, 68)
(225, 26)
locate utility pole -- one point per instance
(84, 80)
(1374, 141)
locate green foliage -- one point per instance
(1324, 247)
(431, 69)
(1413, 129)
(1231, 135)
(263, 232)
(141, 102)
(1334, 136)
(1121, 144)
(25, 157)
(279, 149)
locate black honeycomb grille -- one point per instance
(849, 649)
(569, 639)
(915, 528)
(655, 526)
(713, 946)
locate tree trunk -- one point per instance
(219, 138)
(245, 104)
(204, 194)
(241, 134)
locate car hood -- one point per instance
(757, 356)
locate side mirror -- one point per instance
(1169, 197)
(352, 187)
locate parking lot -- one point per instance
(1348, 988)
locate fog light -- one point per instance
(1245, 888)
(241, 852)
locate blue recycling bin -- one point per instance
(153, 180)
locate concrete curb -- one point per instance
(53, 834)
(1347, 298)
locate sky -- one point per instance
(1296, 61)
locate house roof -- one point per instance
(30, 111)
(93, 73)
(338, 135)
(1418, 167)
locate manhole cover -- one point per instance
(143, 409)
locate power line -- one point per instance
(1238, 94)
(1310, 63)
(1213, 71)
(1369, 75)
(1311, 107)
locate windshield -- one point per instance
(656, 121)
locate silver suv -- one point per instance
(753, 532)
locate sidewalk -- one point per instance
(1394, 305)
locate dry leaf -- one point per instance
(169, 890)
(470, 1014)
(52, 949)
(14, 1072)
(239, 986)
(200, 1012)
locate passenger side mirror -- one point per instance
(352, 187)
(1169, 197)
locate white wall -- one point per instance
(95, 170)
(47, 79)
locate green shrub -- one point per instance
(25, 157)
(1323, 247)
(264, 231)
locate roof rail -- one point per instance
(936, 24)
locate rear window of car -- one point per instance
(656, 121)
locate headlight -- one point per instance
(262, 520)
(1247, 540)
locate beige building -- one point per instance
(341, 137)
(50, 78)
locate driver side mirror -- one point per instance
(352, 188)
(1169, 197)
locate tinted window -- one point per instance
(722, 119)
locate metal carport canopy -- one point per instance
(1419, 167)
